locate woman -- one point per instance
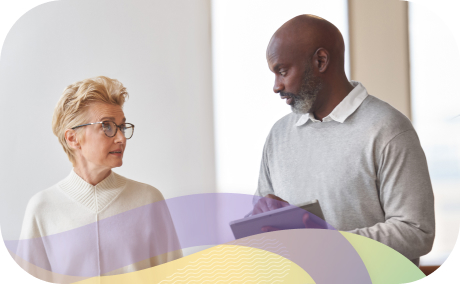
(95, 222)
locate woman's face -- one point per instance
(98, 150)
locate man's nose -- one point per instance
(278, 87)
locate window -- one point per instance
(245, 107)
(435, 114)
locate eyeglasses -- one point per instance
(110, 128)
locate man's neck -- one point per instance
(331, 97)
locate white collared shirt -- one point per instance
(344, 109)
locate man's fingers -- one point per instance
(269, 229)
(264, 206)
(275, 202)
(268, 203)
(305, 219)
(313, 222)
(260, 207)
(272, 196)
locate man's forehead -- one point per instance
(279, 51)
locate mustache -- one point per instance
(285, 94)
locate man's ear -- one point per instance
(71, 139)
(321, 59)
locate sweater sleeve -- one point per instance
(31, 248)
(167, 235)
(264, 186)
(406, 197)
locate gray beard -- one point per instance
(304, 100)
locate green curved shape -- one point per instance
(384, 264)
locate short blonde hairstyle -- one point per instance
(71, 109)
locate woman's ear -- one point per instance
(72, 139)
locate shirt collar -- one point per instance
(344, 109)
(95, 197)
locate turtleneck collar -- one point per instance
(94, 197)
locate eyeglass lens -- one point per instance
(110, 129)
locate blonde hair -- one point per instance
(71, 108)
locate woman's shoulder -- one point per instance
(41, 206)
(44, 198)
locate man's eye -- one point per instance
(282, 73)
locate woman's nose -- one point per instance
(120, 137)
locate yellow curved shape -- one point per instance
(219, 264)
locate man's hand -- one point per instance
(306, 220)
(268, 203)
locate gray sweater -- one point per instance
(369, 174)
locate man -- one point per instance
(356, 154)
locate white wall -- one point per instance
(245, 107)
(160, 50)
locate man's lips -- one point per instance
(289, 99)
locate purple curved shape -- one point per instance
(147, 231)
(324, 254)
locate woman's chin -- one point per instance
(116, 164)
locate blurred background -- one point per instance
(201, 91)
(402, 52)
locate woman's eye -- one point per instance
(107, 126)
(282, 73)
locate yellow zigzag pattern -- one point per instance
(220, 264)
(226, 261)
(272, 245)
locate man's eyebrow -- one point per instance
(278, 66)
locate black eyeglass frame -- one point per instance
(116, 129)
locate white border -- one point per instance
(12, 10)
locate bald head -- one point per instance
(306, 54)
(303, 35)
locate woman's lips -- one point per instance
(118, 153)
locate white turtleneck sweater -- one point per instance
(82, 229)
